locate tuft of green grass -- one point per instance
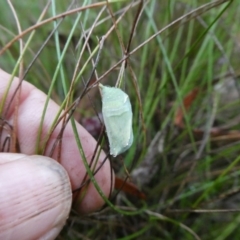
(193, 171)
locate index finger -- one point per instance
(30, 109)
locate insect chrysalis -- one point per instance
(117, 116)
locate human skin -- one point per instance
(36, 191)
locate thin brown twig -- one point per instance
(181, 20)
(39, 24)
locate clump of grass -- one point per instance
(181, 63)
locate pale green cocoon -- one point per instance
(117, 116)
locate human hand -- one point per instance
(36, 191)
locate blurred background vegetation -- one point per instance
(184, 162)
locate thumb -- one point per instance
(35, 197)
